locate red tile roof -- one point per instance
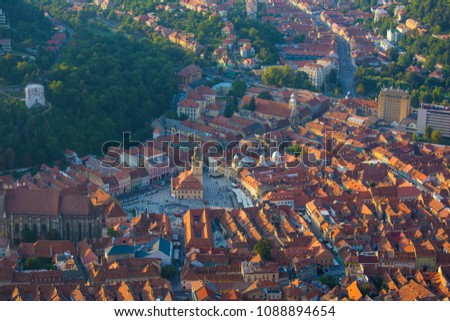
(269, 107)
(44, 202)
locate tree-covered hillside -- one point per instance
(433, 13)
(102, 84)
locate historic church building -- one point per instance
(73, 216)
(189, 184)
(269, 110)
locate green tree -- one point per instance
(31, 263)
(238, 87)
(296, 150)
(111, 232)
(299, 38)
(331, 78)
(28, 236)
(329, 280)
(168, 272)
(264, 248)
(34, 263)
(285, 76)
(379, 283)
(265, 95)
(252, 105)
(360, 89)
(392, 54)
(365, 289)
(428, 132)
(230, 107)
(53, 235)
(436, 136)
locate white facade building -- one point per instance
(317, 72)
(437, 117)
(385, 44)
(392, 35)
(2, 17)
(378, 14)
(34, 95)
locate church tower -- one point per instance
(262, 159)
(293, 109)
(197, 165)
(235, 162)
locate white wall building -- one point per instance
(2, 17)
(385, 44)
(317, 72)
(378, 14)
(189, 108)
(247, 51)
(392, 35)
(34, 95)
(437, 117)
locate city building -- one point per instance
(437, 117)
(189, 184)
(34, 95)
(268, 109)
(252, 8)
(258, 269)
(5, 46)
(385, 45)
(4, 247)
(393, 104)
(73, 216)
(2, 18)
(392, 35)
(158, 248)
(317, 72)
(247, 51)
(412, 24)
(190, 108)
(198, 233)
(189, 74)
(379, 13)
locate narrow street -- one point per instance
(346, 68)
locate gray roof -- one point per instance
(160, 244)
(121, 249)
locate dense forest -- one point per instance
(103, 84)
(432, 13)
(107, 84)
(28, 30)
(29, 27)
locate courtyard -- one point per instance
(218, 192)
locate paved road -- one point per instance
(346, 68)
(69, 38)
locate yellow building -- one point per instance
(393, 104)
(189, 184)
(412, 24)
